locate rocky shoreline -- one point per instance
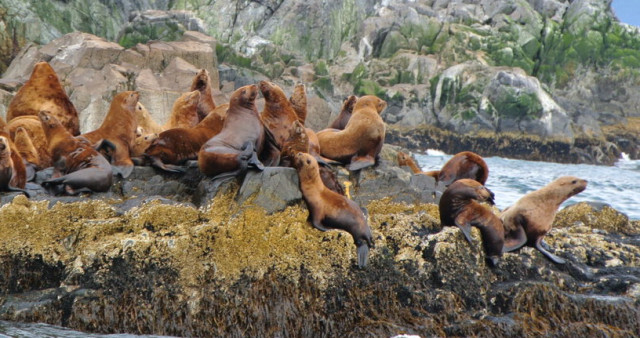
(185, 256)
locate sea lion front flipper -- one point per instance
(123, 170)
(463, 224)
(360, 162)
(363, 255)
(515, 239)
(30, 171)
(552, 257)
(270, 154)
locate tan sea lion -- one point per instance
(329, 210)
(119, 128)
(31, 125)
(360, 142)
(27, 151)
(146, 122)
(77, 166)
(43, 91)
(141, 143)
(406, 160)
(298, 102)
(9, 172)
(465, 164)
(184, 113)
(278, 114)
(178, 145)
(530, 218)
(18, 177)
(202, 83)
(459, 207)
(345, 114)
(244, 140)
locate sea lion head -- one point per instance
(271, 91)
(569, 185)
(468, 189)
(403, 158)
(349, 103)
(48, 121)
(306, 165)
(128, 100)
(139, 131)
(245, 96)
(201, 80)
(42, 70)
(4, 147)
(371, 101)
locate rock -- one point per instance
(273, 188)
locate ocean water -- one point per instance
(617, 186)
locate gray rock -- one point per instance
(273, 189)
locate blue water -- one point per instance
(617, 185)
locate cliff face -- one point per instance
(554, 69)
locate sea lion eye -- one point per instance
(308, 161)
(574, 181)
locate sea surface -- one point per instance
(617, 186)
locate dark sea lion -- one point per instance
(407, 160)
(360, 142)
(202, 83)
(459, 207)
(242, 142)
(329, 210)
(43, 91)
(278, 114)
(78, 167)
(31, 125)
(298, 101)
(119, 128)
(184, 113)
(345, 114)
(465, 164)
(8, 170)
(530, 218)
(176, 146)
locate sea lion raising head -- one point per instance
(202, 83)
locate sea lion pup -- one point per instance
(44, 91)
(140, 145)
(530, 218)
(360, 142)
(459, 207)
(345, 114)
(465, 164)
(406, 160)
(202, 83)
(33, 127)
(243, 141)
(329, 210)
(298, 102)
(27, 151)
(119, 128)
(8, 171)
(177, 145)
(278, 113)
(184, 113)
(146, 122)
(77, 166)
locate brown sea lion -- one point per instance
(184, 113)
(407, 160)
(298, 102)
(18, 178)
(345, 114)
(43, 91)
(530, 218)
(77, 166)
(8, 171)
(27, 151)
(178, 145)
(360, 142)
(31, 125)
(459, 207)
(146, 122)
(141, 143)
(278, 113)
(119, 128)
(244, 140)
(329, 210)
(465, 164)
(202, 83)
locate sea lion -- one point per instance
(146, 122)
(178, 145)
(8, 171)
(119, 128)
(298, 102)
(345, 114)
(530, 218)
(465, 164)
(141, 143)
(31, 125)
(77, 166)
(184, 113)
(243, 141)
(202, 83)
(18, 177)
(407, 160)
(27, 151)
(360, 142)
(329, 210)
(459, 207)
(278, 114)
(44, 91)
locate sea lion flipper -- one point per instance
(552, 257)
(270, 154)
(156, 162)
(515, 239)
(30, 171)
(360, 162)
(123, 170)
(26, 193)
(363, 255)
(466, 230)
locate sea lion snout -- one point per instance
(3, 143)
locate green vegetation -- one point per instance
(512, 104)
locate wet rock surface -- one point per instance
(237, 257)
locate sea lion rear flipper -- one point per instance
(360, 162)
(363, 255)
(552, 257)
(26, 193)
(156, 162)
